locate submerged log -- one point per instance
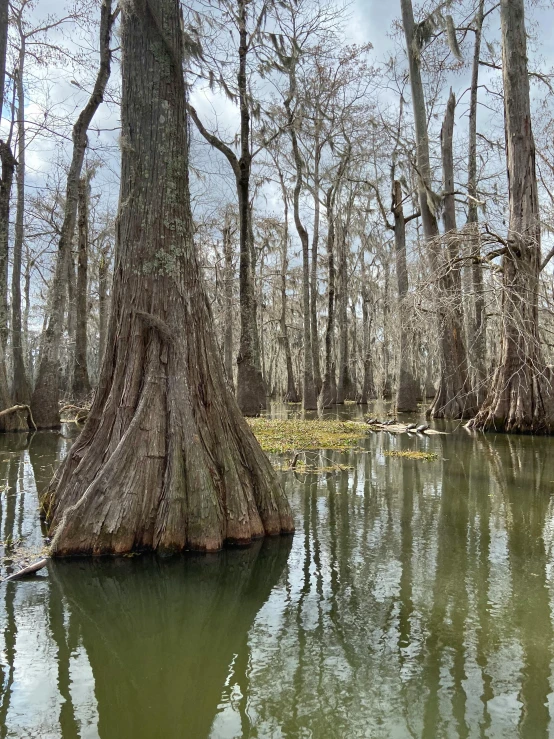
(401, 428)
(19, 409)
(30, 570)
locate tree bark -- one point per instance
(478, 326)
(165, 461)
(345, 389)
(454, 398)
(407, 391)
(81, 382)
(313, 273)
(103, 301)
(328, 395)
(291, 395)
(520, 397)
(309, 394)
(251, 390)
(8, 163)
(228, 299)
(45, 397)
(21, 391)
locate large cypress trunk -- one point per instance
(166, 460)
(520, 396)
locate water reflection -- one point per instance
(415, 600)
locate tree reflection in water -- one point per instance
(415, 600)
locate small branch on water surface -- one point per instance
(16, 408)
(30, 570)
(294, 461)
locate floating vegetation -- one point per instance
(286, 435)
(425, 456)
(303, 468)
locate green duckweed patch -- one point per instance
(286, 435)
(424, 456)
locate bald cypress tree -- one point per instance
(166, 460)
(520, 396)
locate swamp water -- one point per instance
(415, 600)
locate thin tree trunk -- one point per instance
(354, 350)
(368, 385)
(228, 299)
(21, 390)
(520, 397)
(165, 461)
(27, 349)
(344, 389)
(406, 391)
(478, 326)
(454, 398)
(313, 275)
(81, 382)
(328, 395)
(68, 360)
(8, 163)
(291, 395)
(309, 394)
(45, 397)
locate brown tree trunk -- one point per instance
(67, 359)
(228, 299)
(45, 397)
(313, 273)
(165, 461)
(309, 394)
(328, 395)
(81, 382)
(291, 394)
(8, 163)
(354, 350)
(21, 390)
(251, 390)
(520, 397)
(103, 279)
(478, 324)
(454, 398)
(345, 389)
(368, 384)
(406, 391)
